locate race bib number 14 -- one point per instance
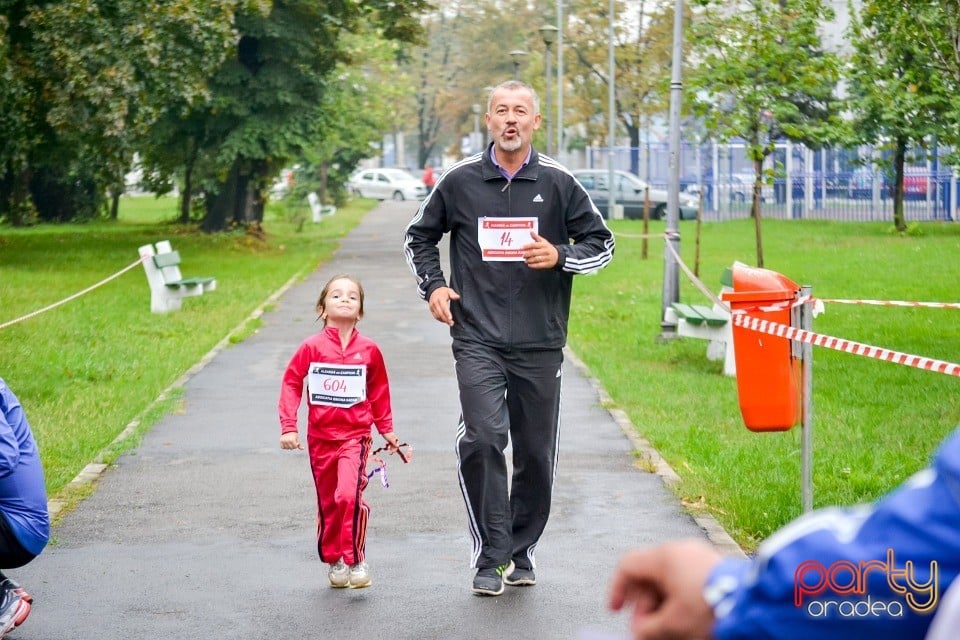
(501, 238)
(336, 385)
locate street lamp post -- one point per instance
(671, 270)
(611, 94)
(517, 55)
(560, 79)
(549, 34)
(487, 93)
(477, 142)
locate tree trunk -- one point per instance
(221, 206)
(241, 198)
(634, 148)
(755, 207)
(323, 183)
(115, 204)
(22, 210)
(186, 196)
(257, 179)
(898, 162)
(239, 202)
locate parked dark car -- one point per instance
(630, 192)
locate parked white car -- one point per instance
(384, 184)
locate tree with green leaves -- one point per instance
(91, 77)
(452, 69)
(901, 90)
(939, 29)
(642, 65)
(762, 75)
(266, 99)
(356, 111)
(15, 116)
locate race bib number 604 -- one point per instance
(336, 385)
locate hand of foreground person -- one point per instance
(665, 587)
(440, 304)
(290, 440)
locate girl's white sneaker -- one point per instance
(339, 575)
(359, 575)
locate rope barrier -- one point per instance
(73, 297)
(640, 236)
(696, 281)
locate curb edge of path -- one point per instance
(716, 534)
(94, 470)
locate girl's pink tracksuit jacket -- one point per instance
(338, 438)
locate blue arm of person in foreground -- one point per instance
(876, 571)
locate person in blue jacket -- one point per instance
(874, 571)
(24, 519)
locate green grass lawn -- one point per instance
(874, 423)
(85, 370)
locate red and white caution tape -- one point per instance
(897, 303)
(741, 319)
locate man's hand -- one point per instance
(290, 440)
(540, 254)
(440, 304)
(665, 586)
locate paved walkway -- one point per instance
(206, 530)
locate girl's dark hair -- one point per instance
(326, 290)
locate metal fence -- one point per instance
(799, 183)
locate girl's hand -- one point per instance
(291, 440)
(392, 441)
(393, 444)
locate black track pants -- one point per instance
(515, 395)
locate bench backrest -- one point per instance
(168, 262)
(163, 260)
(162, 264)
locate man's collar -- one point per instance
(507, 174)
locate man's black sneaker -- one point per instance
(520, 577)
(489, 581)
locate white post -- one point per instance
(806, 436)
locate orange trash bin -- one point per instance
(768, 373)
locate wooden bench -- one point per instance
(708, 323)
(167, 286)
(319, 210)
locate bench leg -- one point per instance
(729, 361)
(163, 302)
(721, 348)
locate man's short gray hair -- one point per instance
(515, 85)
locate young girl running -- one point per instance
(348, 392)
